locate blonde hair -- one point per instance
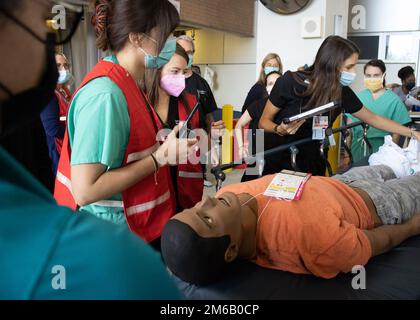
(188, 39)
(263, 77)
(63, 55)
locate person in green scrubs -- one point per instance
(98, 133)
(98, 119)
(46, 251)
(381, 101)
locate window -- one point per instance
(400, 48)
(369, 46)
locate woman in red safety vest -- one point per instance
(62, 93)
(111, 164)
(54, 115)
(173, 105)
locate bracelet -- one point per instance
(155, 164)
(275, 130)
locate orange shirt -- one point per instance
(322, 233)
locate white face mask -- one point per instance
(64, 76)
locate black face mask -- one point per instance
(22, 108)
(410, 85)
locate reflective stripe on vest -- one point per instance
(103, 203)
(142, 154)
(109, 203)
(192, 175)
(148, 205)
(64, 180)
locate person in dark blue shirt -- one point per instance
(54, 115)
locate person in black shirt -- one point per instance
(198, 86)
(195, 83)
(327, 80)
(271, 63)
(252, 117)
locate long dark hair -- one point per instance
(153, 82)
(114, 20)
(324, 75)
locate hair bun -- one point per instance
(100, 23)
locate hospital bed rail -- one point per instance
(258, 158)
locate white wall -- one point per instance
(333, 8)
(385, 15)
(282, 34)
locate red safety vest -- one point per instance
(147, 205)
(190, 180)
(63, 104)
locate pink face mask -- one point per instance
(173, 84)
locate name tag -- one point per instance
(319, 124)
(287, 185)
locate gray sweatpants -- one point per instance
(396, 200)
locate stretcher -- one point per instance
(394, 275)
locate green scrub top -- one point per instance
(99, 129)
(49, 252)
(389, 106)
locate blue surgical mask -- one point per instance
(190, 61)
(64, 76)
(268, 70)
(347, 78)
(153, 62)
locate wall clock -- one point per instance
(285, 6)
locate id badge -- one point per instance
(332, 140)
(319, 124)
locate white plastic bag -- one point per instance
(209, 74)
(412, 152)
(404, 162)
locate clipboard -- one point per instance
(313, 112)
